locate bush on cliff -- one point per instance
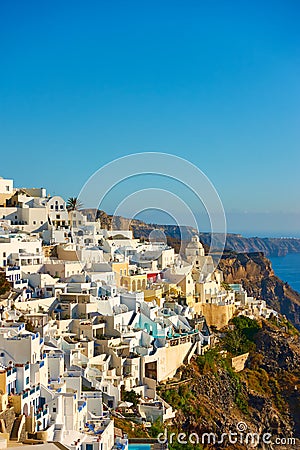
(240, 339)
(4, 284)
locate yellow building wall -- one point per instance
(15, 401)
(3, 382)
(134, 282)
(121, 269)
(217, 315)
(197, 306)
(153, 294)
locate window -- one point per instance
(7, 188)
(54, 409)
(42, 222)
(16, 217)
(61, 206)
(4, 254)
(2, 354)
(37, 250)
(58, 216)
(34, 222)
(27, 380)
(51, 207)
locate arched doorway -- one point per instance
(25, 409)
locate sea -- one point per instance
(288, 269)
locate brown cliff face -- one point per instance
(245, 268)
(269, 246)
(254, 271)
(262, 396)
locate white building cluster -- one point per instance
(93, 314)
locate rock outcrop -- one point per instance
(235, 242)
(264, 397)
(254, 271)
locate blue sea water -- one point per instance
(139, 446)
(288, 269)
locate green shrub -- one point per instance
(208, 361)
(131, 396)
(249, 327)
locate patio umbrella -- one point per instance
(125, 404)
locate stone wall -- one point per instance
(217, 315)
(8, 416)
(238, 362)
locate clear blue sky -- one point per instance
(216, 82)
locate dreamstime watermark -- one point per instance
(167, 197)
(241, 435)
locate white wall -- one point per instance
(10, 245)
(6, 186)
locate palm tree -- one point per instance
(73, 204)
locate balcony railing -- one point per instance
(42, 413)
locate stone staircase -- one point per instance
(58, 433)
(17, 428)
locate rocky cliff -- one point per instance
(269, 246)
(235, 242)
(264, 398)
(254, 271)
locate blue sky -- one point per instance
(217, 83)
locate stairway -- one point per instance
(132, 319)
(190, 353)
(58, 433)
(17, 428)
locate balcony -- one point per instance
(30, 391)
(42, 413)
